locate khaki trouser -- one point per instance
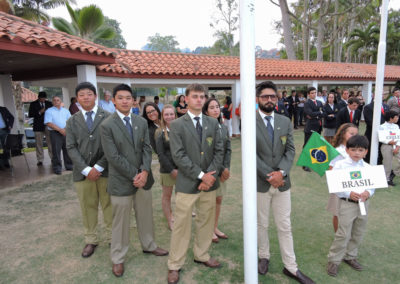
(181, 233)
(39, 135)
(387, 155)
(89, 194)
(121, 208)
(281, 208)
(348, 237)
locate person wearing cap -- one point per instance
(36, 110)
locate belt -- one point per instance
(349, 200)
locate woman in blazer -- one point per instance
(212, 109)
(152, 114)
(168, 169)
(331, 110)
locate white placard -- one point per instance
(356, 179)
(389, 135)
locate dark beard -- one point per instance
(268, 108)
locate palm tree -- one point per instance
(364, 40)
(33, 10)
(87, 23)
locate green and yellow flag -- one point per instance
(317, 154)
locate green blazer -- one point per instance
(125, 157)
(84, 146)
(226, 163)
(192, 155)
(278, 156)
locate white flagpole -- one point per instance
(380, 75)
(249, 161)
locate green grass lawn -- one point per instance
(41, 236)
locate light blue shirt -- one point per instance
(2, 122)
(107, 106)
(272, 120)
(57, 116)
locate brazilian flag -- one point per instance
(317, 154)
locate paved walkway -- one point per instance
(21, 174)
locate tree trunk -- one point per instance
(306, 33)
(320, 38)
(287, 30)
(350, 29)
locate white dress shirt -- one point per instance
(87, 170)
(192, 116)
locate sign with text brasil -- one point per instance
(356, 179)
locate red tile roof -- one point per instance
(134, 63)
(18, 30)
(28, 96)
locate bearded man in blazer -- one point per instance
(125, 140)
(197, 149)
(275, 154)
(90, 165)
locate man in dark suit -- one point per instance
(351, 113)
(36, 110)
(368, 116)
(314, 112)
(197, 149)
(281, 109)
(343, 99)
(126, 144)
(90, 165)
(6, 123)
(275, 154)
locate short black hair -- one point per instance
(310, 89)
(85, 85)
(284, 92)
(42, 94)
(123, 87)
(156, 98)
(390, 114)
(357, 141)
(353, 100)
(265, 85)
(396, 89)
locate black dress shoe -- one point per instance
(307, 169)
(263, 264)
(391, 183)
(299, 277)
(392, 176)
(57, 172)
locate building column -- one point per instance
(367, 92)
(67, 93)
(87, 73)
(7, 100)
(235, 102)
(314, 84)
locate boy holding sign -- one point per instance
(352, 222)
(389, 137)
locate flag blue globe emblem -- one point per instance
(319, 155)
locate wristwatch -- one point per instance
(283, 173)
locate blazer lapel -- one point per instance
(135, 130)
(98, 118)
(81, 120)
(190, 126)
(263, 128)
(122, 127)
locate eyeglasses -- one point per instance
(266, 97)
(150, 112)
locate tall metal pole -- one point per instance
(380, 75)
(249, 161)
